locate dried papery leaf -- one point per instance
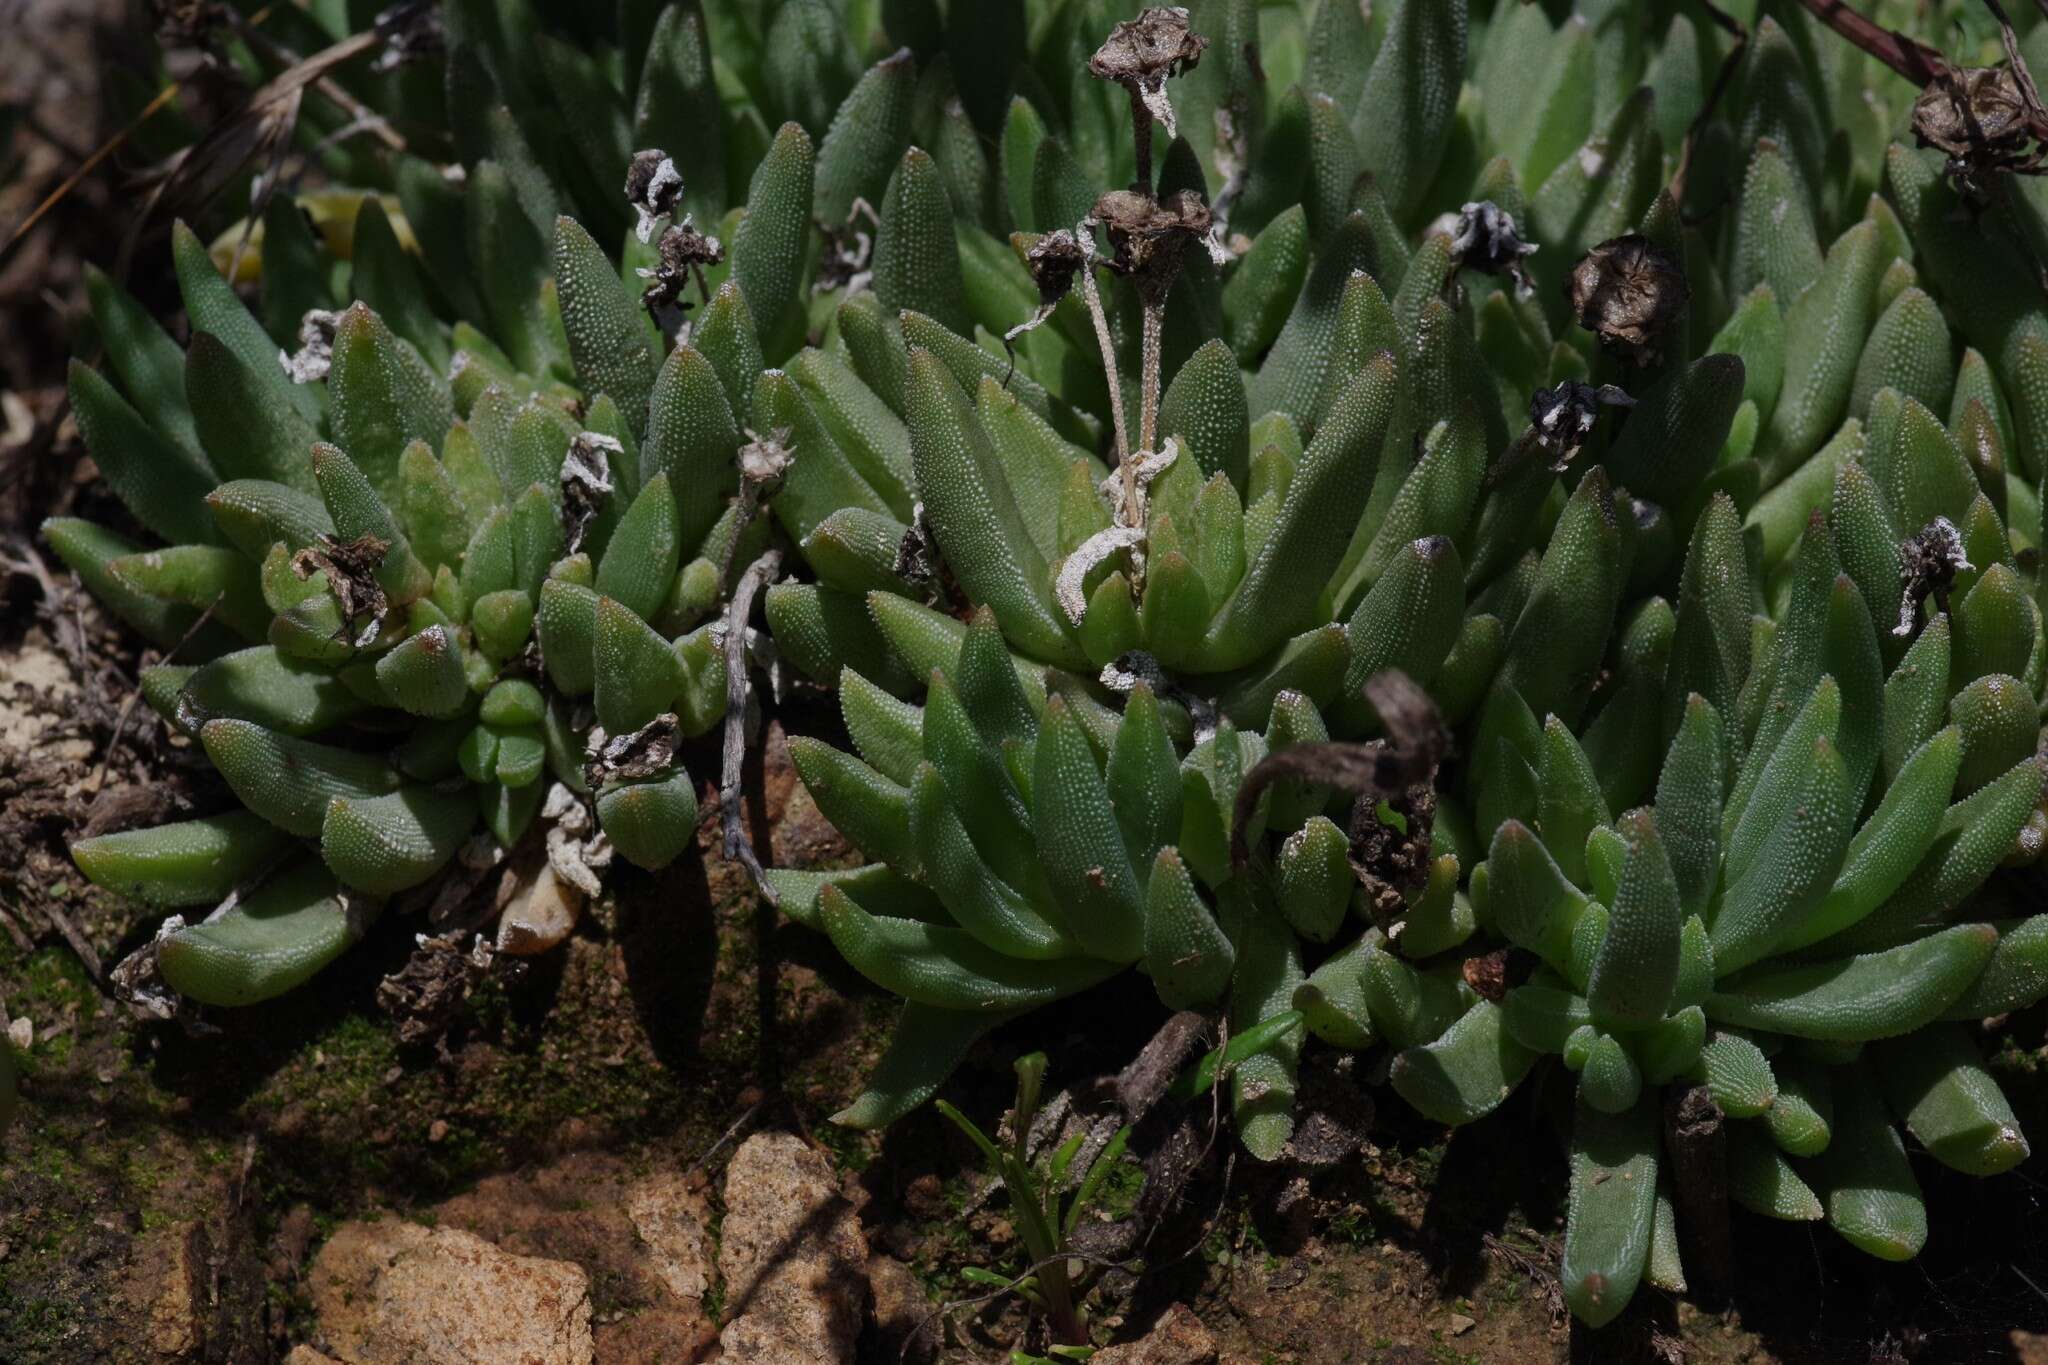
(1929, 561)
(541, 913)
(1416, 742)
(1069, 588)
(586, 482)
(1390, 836)
(1562, 418)
(315, 356)
(1628, 291)
(426, 995)
(578, 851)
(917, 555)
(1127, 670)
(653, 187)
(351, 569)
(1486, 238)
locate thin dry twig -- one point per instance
(90, 164)
(740, 718)
(1908, 56)
(1093, 297)
(260, 127)
(1722, 78)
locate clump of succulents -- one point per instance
(426, 583)
(1239, 466)
(1798, 888)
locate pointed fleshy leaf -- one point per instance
(189, 862)
(277, 938)
(386, 844)
(610, 342)
(289, 781)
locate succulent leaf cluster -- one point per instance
(1136, 394)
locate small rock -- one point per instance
(2030, 1347)
(670, 1218)
(437, 1131)
(905, 1328)
(167, 1283)
(306, 1355)
(1177, 1339)
(925, 1196)
(395, 1293)
(792, 1255)
(288, 1247)
(1460, 1324)
(541, 914)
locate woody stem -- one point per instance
(1093, 298)
(1148, 394)
(1141, 139)
(1911, 58)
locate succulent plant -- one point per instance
(421, 575)
(1030, 843)
(1193, 409)
(1799, 887)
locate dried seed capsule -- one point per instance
(1978, 116)
(1141, 53)
(1148, 236)
(1628, 290)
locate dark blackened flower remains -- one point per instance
(1562, 418)
(1486, 238)
(1929, 561)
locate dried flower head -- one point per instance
(351, 569)
(847, 262)
(917, 554)
(1148, 236)
(648, 752)
(1562, 418)
(315, 355)
(1929, 561)
(1628, 290)
(683, 252)
(188, 23)
(1053, 260)
(425, 996)
(763, 460)
(1486, 238)
(653, 188)
(586, 482)
(1141, 53)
